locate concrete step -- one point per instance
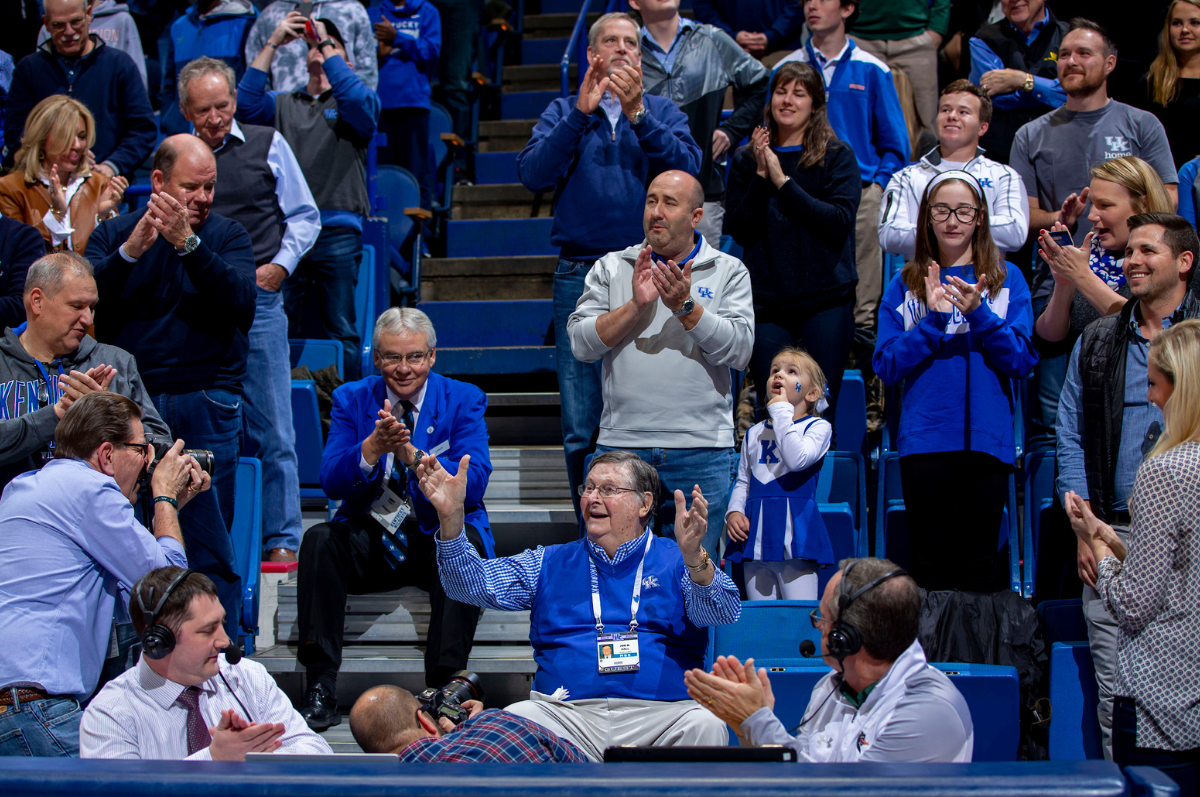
(505, 135)
(526, 104)
(524, 420)
(488, 278)
(536, 77)
(554, 26)
(500, 201)
(499, 237)
(544, 51)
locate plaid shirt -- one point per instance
(495, 736)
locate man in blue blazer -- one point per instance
(381, 538)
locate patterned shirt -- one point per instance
(495, 736)
(511, 582)
(289, 68)
(1153, 597)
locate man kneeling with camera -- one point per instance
(449, 724)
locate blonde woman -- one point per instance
(1149, 588)
(52, 185)
(1172, 86)
(1089, 280)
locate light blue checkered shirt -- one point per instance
(510, 583)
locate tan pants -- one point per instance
(869, 257)
(918, 58)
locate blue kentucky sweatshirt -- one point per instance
(959, 372)
(404, 73)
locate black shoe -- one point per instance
(319, 709)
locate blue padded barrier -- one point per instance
(1074, 727)
(316, 354)
(852, 413)
(246, 536)
(767, 631)
(32, 777)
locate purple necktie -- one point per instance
(197, 729)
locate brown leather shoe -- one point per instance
(281, 555)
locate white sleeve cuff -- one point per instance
(124, 255)
(59, 230)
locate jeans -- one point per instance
(683, 468)
(1181, 766)
(319, 296)
(267, 415)
(578, 382)
(41, 728)
(824, 331)
(407, 131)
(212, 420)
(460, 31)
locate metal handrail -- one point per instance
(564, 66)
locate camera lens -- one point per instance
(464, 685)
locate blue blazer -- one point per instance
(452, 411)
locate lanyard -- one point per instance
(50, 388)
(637, 589)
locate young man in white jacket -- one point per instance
(669, 319)
(964, 111)
(882, 702)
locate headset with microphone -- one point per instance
(158, 640)
(843, 639)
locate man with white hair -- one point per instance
(381, 538)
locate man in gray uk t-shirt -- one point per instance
(1054, 154)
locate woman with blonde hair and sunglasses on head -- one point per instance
(1149, 588)
(1089, 280)
(955, 327)
(53, 186)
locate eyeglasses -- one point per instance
(965, 214)
(816, 619)
(412, 358)
(142, 446)
(605, 490)
(76, 24)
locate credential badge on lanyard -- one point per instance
(618, 652)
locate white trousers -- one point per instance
(789, 580)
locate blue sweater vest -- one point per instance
(563, 629)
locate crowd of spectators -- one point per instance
(1038, 230)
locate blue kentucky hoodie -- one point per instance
(404, 73)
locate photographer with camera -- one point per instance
(387, 719)
(182, 701)
(68, 542)
(53, 352)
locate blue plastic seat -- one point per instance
(246, 536)
(316, 354)
(1074, 726)
(1039, 500)
(851, 431)
(1063, 620)
(310, 441)
(398, 196)
(367, 306)
(770, 632)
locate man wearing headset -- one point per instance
(882, 702)
(183, 701)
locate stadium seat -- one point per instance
(851, 418)
(316, 354)
(1074, 727)
(367, 307)
(1039, 500)
(768, 631)
(310, 440)
(399, 199)
(246, 536)
(1062, 621)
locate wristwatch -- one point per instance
(418, 455)
(704, 560)
(1028, 82)
(189, 244)
(638, 116)
(688, 306)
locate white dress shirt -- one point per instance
(136, 714)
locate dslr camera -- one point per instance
(162, 445)
(447, 702)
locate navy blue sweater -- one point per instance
(107, 82)
(600, 174)
(20, 245)
(185, 318)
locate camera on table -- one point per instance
(162, 445)
(447, 702)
